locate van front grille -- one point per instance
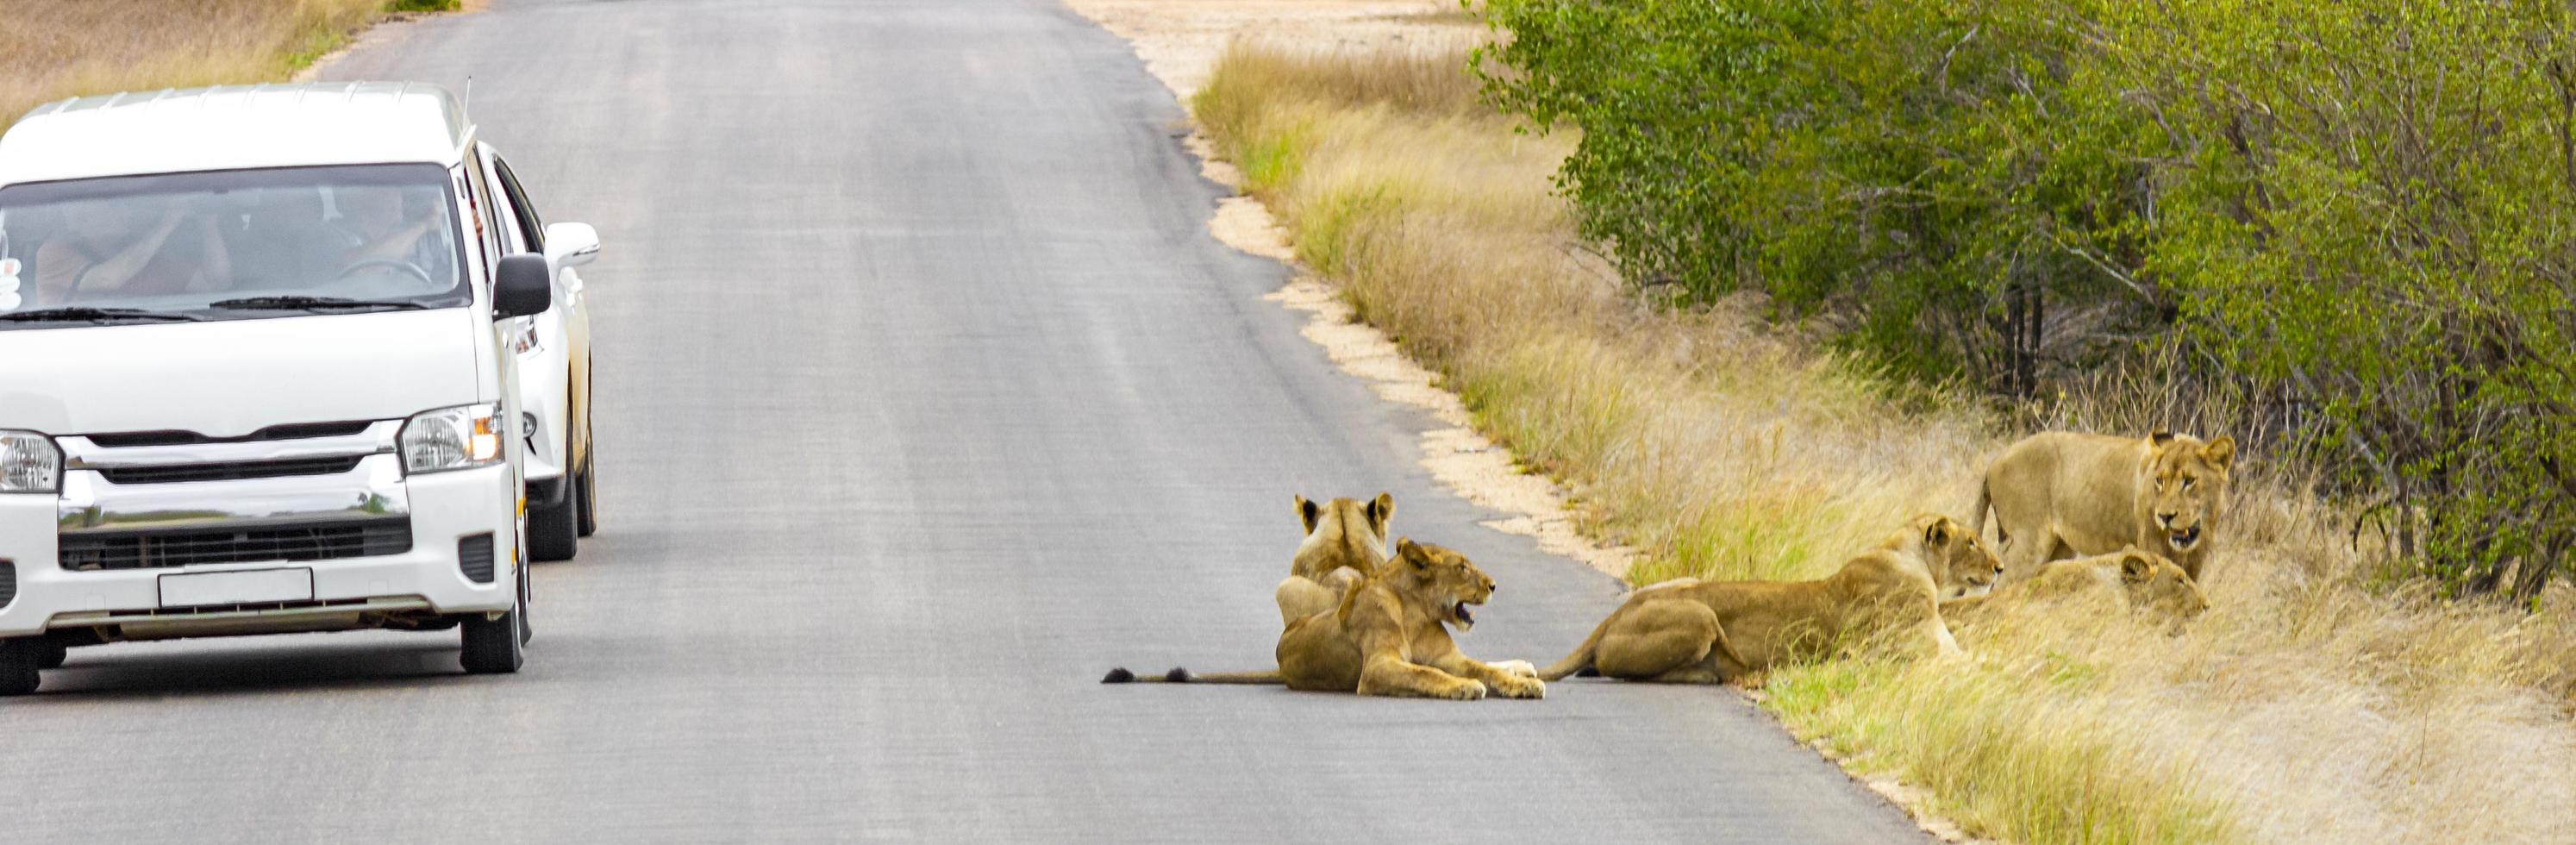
(187, 547)
(230, 471)
(290, 431)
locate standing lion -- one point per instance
(2060, 494)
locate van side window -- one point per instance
(531, 227)
(485, 230)
(505, 211)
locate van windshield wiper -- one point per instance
(312, 303)
(79, 313)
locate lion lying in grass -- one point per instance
(1705, 632)
(2061, 494)
(1345, 543)
(1389, 635)
(2130, 579)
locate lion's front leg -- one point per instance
(1501, 680)
(1391, 675)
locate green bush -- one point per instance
(2355, 218)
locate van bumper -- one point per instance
(446, 508)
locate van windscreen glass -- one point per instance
(239, 244)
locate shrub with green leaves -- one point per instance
(2358, 218)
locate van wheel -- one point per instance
(52, 653)
(494, 646)
(20, 658)
(552, 534)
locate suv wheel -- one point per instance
(584, 484)
(552, 534)
(20, 658)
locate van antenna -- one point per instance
(468, 105)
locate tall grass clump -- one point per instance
(2317, 701)
(51, 49)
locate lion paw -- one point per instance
(1468, 691)
(1517, 667)
(1515, 686)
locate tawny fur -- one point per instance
(1388, 635)
(1706, 632)
(2128, 580)
(1345, 543)
(2059, 494)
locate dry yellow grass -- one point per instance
(50, 49)
(2308, 705)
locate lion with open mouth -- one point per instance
(1389, 635)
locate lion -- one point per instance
(1345, 543)
(1705, 632)
(2058, 495)
(2140, 581)
(1388, 636)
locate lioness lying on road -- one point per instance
(2061, 494)
(1705, 632)
(1388, 636)
(1345, 542)
(2139, 581)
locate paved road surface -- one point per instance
(925, 399)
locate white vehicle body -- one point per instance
(554, 368)
(243, 466)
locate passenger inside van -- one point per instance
(123, 248)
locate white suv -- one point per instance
(554, 371)
(260, 354)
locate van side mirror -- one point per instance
(571, 244)
(523, 285)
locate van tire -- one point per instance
(552, 534)
(20, 660)
(52, 653)
(494, 646)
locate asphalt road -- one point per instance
(924, 399)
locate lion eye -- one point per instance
(2186, 483)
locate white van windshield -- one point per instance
(230, 245)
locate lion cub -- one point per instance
(1345, 542)
(1389, 636)
(2061, 494)
(1704, 632)
(2131, 578)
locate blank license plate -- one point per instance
(251, 587)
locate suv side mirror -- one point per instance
(571, 244)
(523, 285)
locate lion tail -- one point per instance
(1179, 675)
(1581, 659)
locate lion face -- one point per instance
(1962, 565)
(1446, 581)
(2187, 478)
(2157, 585)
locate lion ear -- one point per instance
(1412, 551)
(2221, 451)
(2161, 437)
(1381, 511)
(2136, 568)
(1938, 533)
(1308, 513)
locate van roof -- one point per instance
(235, 127)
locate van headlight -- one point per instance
(29, 463)
(452, 438)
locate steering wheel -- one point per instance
(416, 270)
